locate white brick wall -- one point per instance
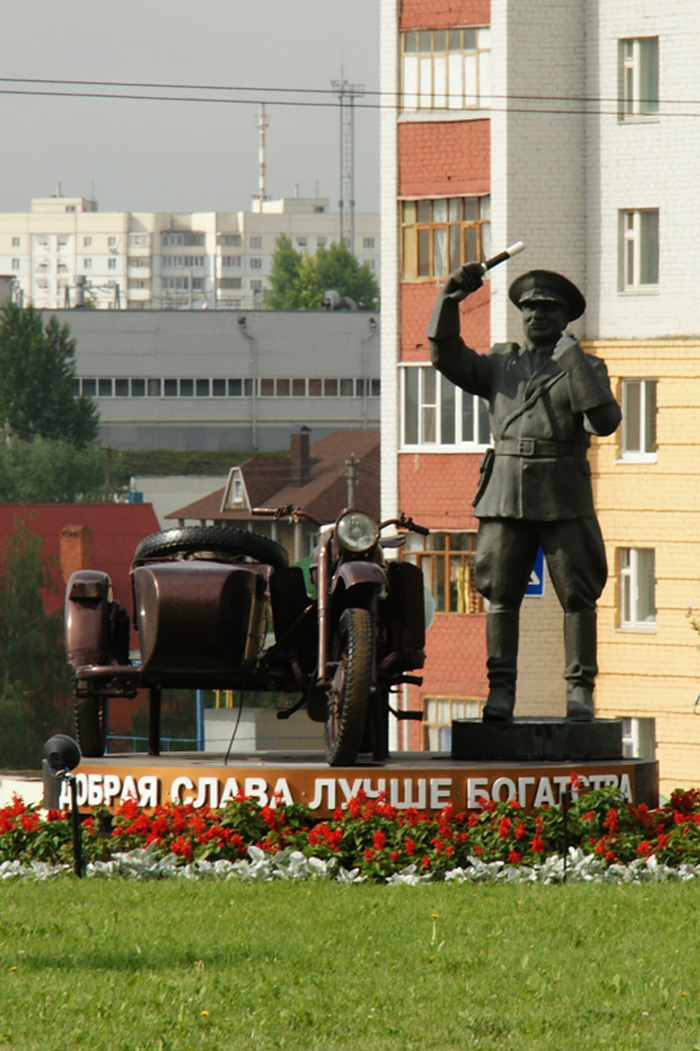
(390, 259)
(650, 164)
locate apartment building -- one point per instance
(65, 252)
(569, 125)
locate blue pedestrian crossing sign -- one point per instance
(535, 588)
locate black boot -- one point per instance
(581, 667)
(502, 664)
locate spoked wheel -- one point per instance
(91, 714)
(349, 691)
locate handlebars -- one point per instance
(294, 514)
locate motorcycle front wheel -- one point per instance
(349, 691)
(91, 725)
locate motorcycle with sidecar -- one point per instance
(220, 608)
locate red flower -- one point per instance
(644, 848)
(410, 847)
(473, 820)
(520, 831)
(612, 820)
(514, 858)
(426, 862)
(538, 846)
(181, 847)
(369, 854)
(661, 841)
(588, 816)
(504, 827)
(610, 856)
(379, 840)
(394, 854)
(477, 850)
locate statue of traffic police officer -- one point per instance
(546, 397)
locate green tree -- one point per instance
(34, 678)
(37, 380)
(44, 471)
(300, 282)
(284, 281)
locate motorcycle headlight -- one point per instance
(356, 531)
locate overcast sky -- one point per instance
(185, 156)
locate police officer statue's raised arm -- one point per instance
(546, 397)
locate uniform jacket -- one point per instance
(542, 413)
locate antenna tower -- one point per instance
(347, 93)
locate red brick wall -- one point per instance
(417, 301)
(443, 14)
(437, 488)
(444, 158)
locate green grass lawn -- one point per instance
(140, 966)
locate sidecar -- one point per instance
(202, 609)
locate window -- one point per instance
(230, 282)
(203, 388)
(256, 242)
(198, 284)
(121, 388)
(330, 388)
(138, 388)
(639, 78)
(89, 388)
(321, 242)
(178, 284)
(87, 264)
(282, 388)
(347, 388)
(267, 388)
(230, 240)
(368, 242)
(637, 588)
(170, 388)
(111, 242)
(315, 388)
(15, 242)
(436, 413)
(437, 721)
(256, 286)
(15, 264)
(447, 562)
(445, 68)
(154, 387)
(139, 260)
(639, 250)
(111, 264)
(138, 240)
(298, 388)
(256, 264)
(87, 242)
(230, 260)
(104, 388)
(170, 238)
(186, 388)
(440, 235)
(639, 420)
(302, 242)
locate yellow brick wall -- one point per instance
(655, 505)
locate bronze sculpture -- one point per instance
(545, 398)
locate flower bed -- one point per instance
(369, 838)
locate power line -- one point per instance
(527, 104)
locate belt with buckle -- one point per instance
(540, 447)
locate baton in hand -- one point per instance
(489, 265)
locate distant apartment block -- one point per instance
(65, 251)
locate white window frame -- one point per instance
(636, 229)
(437, 720)
(635, 565)
(442, 70)
(432, 417)
(639, 79)
(639, 408)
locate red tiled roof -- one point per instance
(268, 481)
(116, 530)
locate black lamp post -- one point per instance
(61, 756)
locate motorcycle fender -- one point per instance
(87, 609)
(353, 574)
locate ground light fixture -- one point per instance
(61, 756)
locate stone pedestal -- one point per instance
(528, 740)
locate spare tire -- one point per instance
(229, 542)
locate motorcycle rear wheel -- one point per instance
(91, 725)
(348, 695)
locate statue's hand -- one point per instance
(461, 283)
(567, 350)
